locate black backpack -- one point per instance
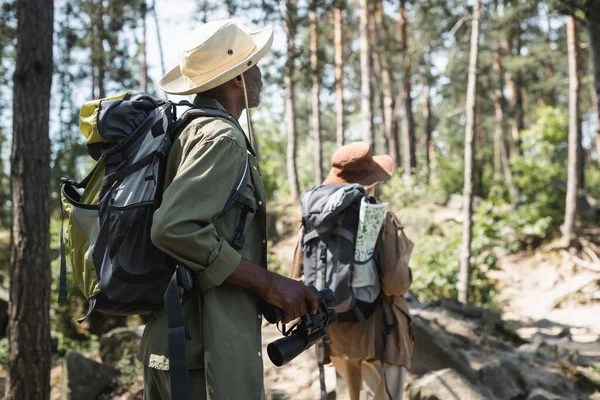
(109, 214)
(330, 220)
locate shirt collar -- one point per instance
(206, 101)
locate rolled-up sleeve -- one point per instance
(183, 226)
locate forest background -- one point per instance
(487, 107)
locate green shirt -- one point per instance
(223, 321)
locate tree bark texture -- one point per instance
(429, 145)
(408, 125)
(316, 89)
(158, 39)
(339, 76)
(390, 118)
(513, 83)
(290, 114)
(365, 75)
(568, 228)
(593, 28)
(30, 354)
(143, 61)
(501, 141)
(98, 55)
(465, 254)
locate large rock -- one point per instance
(542, 394)
(85, 379)
(120, 343)
(446, 384)
(515, 375)
(436, 349)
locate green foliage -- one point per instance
(402, 192)
(4, 352)
(592, 180)
(271, 147)
(435, 265)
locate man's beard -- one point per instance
(254, 90)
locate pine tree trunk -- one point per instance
(478, 146)
(465, 254)
(93, 38)
(429, 147)
(99, 51)
(408, 125)
(596, 108)
(390, 119)
(159, 39)
(568, 228)
(376, 68)
(501, 143)
(339, 79)
(513, 82)
(290, 113)
(143, 61)
(30, 354)
(316, 89)
(365, 75)
(551, 97)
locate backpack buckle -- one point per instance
(239, 240)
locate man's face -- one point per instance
(253, 78)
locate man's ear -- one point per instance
(238, 81)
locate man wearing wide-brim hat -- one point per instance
(373, 355)
(222, 312)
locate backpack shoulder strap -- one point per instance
(236, 196)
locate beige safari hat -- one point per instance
(215, 53)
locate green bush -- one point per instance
(403, 192)
(436, 264)
(540, 174)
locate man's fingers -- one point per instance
(302, 307)
(313, 300)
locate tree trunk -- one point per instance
(30, 353)
(596, 109)
(478, 146)
(290, 114)
(143, 61)
(158, 39)
(593, 28)
(376, 64)
(316, 89)
(92, 42)
(408, 125)
(429, 147)
(513, 82)
(339, 79)
(465, 254)
(365, 75)
(501, 142)
(390, 119)
(568, 228)
(99, 51)
(551, 96)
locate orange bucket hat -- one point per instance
(355, 163)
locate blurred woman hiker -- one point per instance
(374, 354)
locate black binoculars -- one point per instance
(309, 330)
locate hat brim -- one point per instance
(175, 83)
(384, 169)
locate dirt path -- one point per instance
(545, 294)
